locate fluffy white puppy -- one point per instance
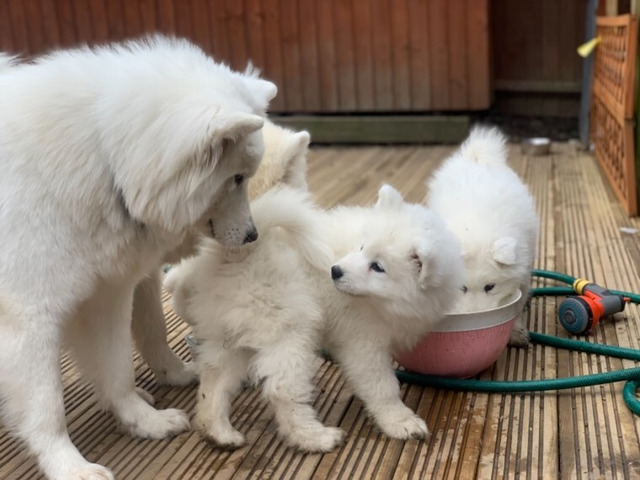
(107, 156)
(396, 272)
(254, 313)
(283, 162)
(399, 270)
(488, 207)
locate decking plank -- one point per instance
(571, 434)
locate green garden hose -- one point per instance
(631, 375)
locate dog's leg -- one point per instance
(100, 339)
(220, 379)
(150, 334)
(32, 402)
(368, 368)
(520, 334)
(287, 370)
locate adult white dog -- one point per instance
(107, 156)
(490, 210)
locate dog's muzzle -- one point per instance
(336, 272)
(251, 236)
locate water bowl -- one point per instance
(463, 344)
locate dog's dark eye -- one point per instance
(489, 286)
(238, 179)
(464, 289)
(376, 267)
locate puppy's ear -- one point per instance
(503, 250)
(389, 198)
(425, 262)
(296, 160)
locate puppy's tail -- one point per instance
(293, 211)
(486, 146)
(7, 61)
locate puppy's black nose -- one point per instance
(336, 272)
(251, 236)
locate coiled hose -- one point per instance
(631, 375)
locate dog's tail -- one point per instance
(486, 146)
(7, 61)
(293, 211)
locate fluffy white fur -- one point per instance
(283, 162)
(368, 313)
(492, 213)
(107, 156)
(254, 313)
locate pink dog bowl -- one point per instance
(463, 344)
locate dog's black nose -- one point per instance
(251, 236)
(336, 272)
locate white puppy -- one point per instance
(283, 162)
(254, 312)
(401, 273)
(490, 210)
(107, 156)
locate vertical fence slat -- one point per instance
(363, 51)
(50, 24)
(382, 55)
(420, 55)
(273, 52)
(309, 56)
(400, 55)
(19, 27)
(478, 84)
(438, 68)
(457, 53)
(236, 34)
(34, 21)
(346, 61)
(326, 55)
(98, 16)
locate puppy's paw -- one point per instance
(177, 374)
(158, 423)
(221, 435)
(403, 424)
(519, 337)
(90, 471)
(322, 439)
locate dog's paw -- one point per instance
(178, 374)
(404, 425)
(90, 471)
(158, 424)
(322, 439)
(519, 337)
(221, 435)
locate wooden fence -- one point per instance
(325, 55)
(613, 101)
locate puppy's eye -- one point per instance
(376, 267)
(464, 289)
(238, 179)
(489, 286)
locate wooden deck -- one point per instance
(586, 433)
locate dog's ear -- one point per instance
(389, 198)
(295, 173)
(425, 262)
(503, 250)
(263, 91)
(234, 126)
